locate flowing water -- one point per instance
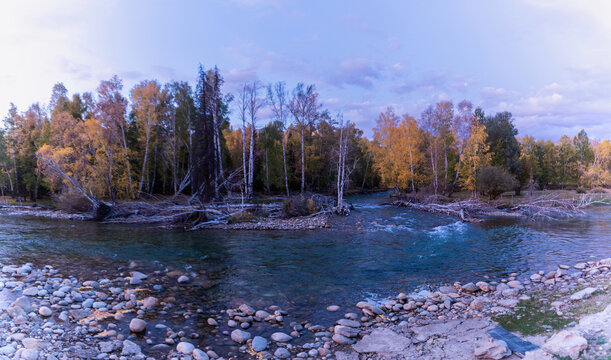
(376, 252)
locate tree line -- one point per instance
(461, 148)
(173, 139)
(177, 140)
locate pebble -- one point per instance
(281, 337)
(282, 353)
(240, 336)
(259, 343)
(200, 355)
(45, 311)
(137, 325)
(185, 348)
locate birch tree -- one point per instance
(148, 99)
(110, 109)
(304, 107)
(461, 125)
(341, 166)
(254, 105)
(278, 98)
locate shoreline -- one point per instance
(309, 222)
(95, 313)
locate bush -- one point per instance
(72, 202)
(300, 206)
(244, 216)
(493, 181)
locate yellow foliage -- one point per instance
(474, 157)
(398, 155)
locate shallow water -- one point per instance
(376, 252)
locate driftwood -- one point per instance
(100, 209)
(552, 206)
(549, 207)
(464, 210)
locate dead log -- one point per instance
(100, 209)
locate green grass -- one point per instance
(533, 317)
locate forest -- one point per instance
(177, 140)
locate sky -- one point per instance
(545, 61)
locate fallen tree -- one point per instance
(100, 209)
(552, 206)
(548, 206)
(190, 213)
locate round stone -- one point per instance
(185, 348)
(282, 353)
(281, 337)
(259, 343)
(240, 336)
(45, 311)
(200, 355)
(137, 325)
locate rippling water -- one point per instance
(376, 252)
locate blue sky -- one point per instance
(545, 61)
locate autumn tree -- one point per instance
(598, 173)
(149, 106)
(461, 126)
(583, 150)
(110, 112)
(567, 156)
(384, 134)
(474, 157)
(412, 142)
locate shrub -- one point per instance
(72, 202)
(300, 206)
(244, 216)
(493, 181)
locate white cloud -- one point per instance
(359, 72)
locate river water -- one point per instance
(376, 252)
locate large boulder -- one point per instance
(489, 348)
(583, 294)
(566, 344)
(382, 341)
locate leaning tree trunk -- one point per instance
(100, 210)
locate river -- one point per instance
(376, 252)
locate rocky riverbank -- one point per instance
(37, 211)
(47, 315)
(311, 222)
(452, 322)
(296, 223)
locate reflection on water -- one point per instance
(376, 252)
